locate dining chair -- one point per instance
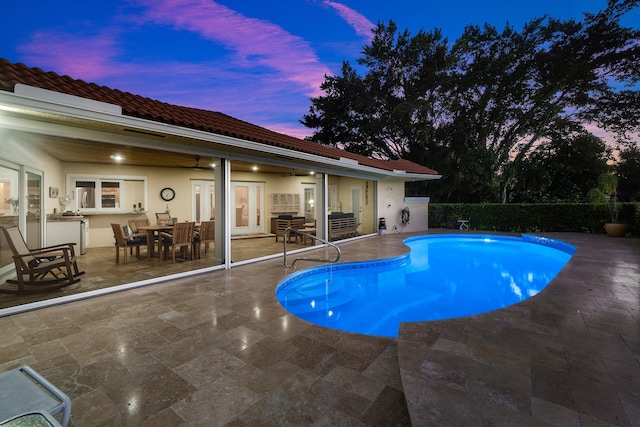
(164, 218)
(125, 242)
(135, 223)
(134, 232)
(205, 235)
(181, 237)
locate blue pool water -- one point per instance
(444, 276)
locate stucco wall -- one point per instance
(391, 203)
(419, 214)
(180, 207)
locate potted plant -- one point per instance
(606, 194)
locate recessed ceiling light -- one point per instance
(117, 157)
(254, 168)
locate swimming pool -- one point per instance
(444, 276)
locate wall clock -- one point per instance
(167, 194)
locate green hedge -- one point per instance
(528, 218)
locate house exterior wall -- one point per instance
(101, 234)
(419, 218)
(391, 202)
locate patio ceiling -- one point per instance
(84, 151)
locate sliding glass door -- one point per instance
(21, 205)
(9, 208)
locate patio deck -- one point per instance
(568, 356)
(218, 349)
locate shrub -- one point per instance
(529, 218)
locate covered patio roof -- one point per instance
(101, 114)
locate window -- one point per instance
(95, 193)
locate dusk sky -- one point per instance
(258, 61)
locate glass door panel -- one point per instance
(197, 202)
(247, 199)
(258, 195)
(34, 208)
(356, 204)
(9, 208)
(309, 204)
(204, 200)
(242, 206)
(212, 202)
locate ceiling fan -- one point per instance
(296, 173)
(197, 165)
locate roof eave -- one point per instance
(413, 177)
(68, 111)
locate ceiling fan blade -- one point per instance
(196, 166)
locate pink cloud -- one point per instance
(266, 78)
(255, 42)
(299, 131)
(259, 100)
(600, 133)
(85, 56)
(359, 22)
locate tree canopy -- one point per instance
(488, 108)
(628, 171)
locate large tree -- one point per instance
(476, 108)
(563, 168)
(393, 109)
(628, 171)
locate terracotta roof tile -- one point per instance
(188, 117)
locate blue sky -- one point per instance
(258, 61)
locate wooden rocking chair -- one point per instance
(58, 261)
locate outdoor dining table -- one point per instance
(152, 230)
